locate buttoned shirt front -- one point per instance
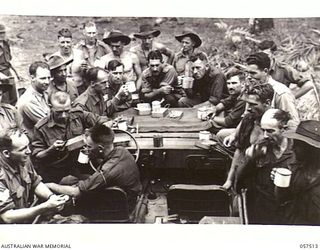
(32, 106)
(211, 87)
(70, 88)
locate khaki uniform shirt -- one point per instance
(89, 101)
(17, 186)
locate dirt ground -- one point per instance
(32, 36)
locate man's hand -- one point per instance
(58, 145)
(273, 173)
(166, 89)
(229, 140)
(56, 202)
(123, 92)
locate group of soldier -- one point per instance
(78, 89)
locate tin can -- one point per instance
(157, 141)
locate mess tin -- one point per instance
(143, 108)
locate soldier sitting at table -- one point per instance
(159, 81)
(209, 85)
(228, 112)
(92, 100)
(118, 96)
(51, 134)
(115, 166)
(19, 182)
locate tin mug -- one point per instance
(131, 86)
(282, 177)
(156, 106)
(83, 157)
(187, 82)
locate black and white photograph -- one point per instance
(142, 124)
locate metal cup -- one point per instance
(156, 106)
(187, 82)
(83, 157)
(282, 177)
(131, 86)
